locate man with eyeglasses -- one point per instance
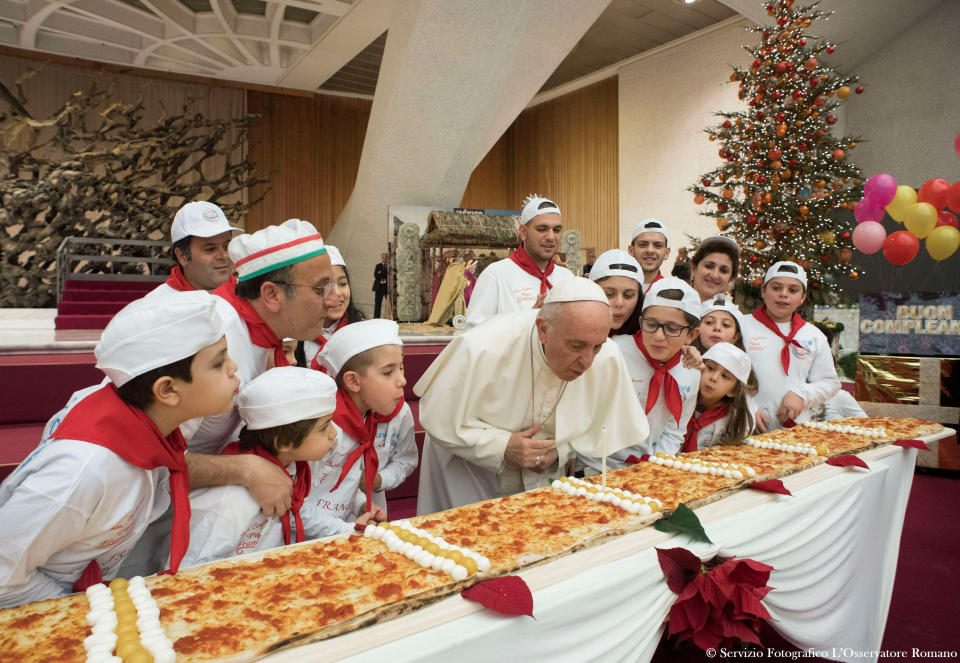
(520, 281)
(507, 404)
(283, 275)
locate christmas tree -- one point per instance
(785, 177)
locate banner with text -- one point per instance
(914, 323)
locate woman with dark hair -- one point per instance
(714, 266)
(621, 278)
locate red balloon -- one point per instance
(945, 218)
(956, 145)
(934, 192)
(953, 197)
(900, 247)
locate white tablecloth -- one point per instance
(833, 545)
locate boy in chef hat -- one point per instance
(112, 460)
(287, 414)
(366, 358)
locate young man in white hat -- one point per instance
(520, 281)
(376, 424)
(506, 405)
(112, 460)
(288, 420)
(200, 235)
(792, 358)
(664, 387)
(649, 246)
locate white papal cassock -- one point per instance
(492, 381)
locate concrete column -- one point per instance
(455, 75)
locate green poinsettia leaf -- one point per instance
(683, 521)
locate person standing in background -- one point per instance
(379, 284)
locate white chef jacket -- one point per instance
(813, 377)
(326, 512)
(842, 406)
(666, 434)
(397, 457)
(492, 381)
(68, 503)
(503, 287)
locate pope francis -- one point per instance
(507, 403)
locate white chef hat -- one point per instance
(577, 289)
(534, 206)
(274, 247)
(199, 219)
(721, 302)
(285, 395)
(156, 331)
(786, 269)
(731, 358)
(688, 301)
(335, 257)
(616, 263)
(358, 337)
(651, 226)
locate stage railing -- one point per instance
(105, 251)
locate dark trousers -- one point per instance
(378, 304)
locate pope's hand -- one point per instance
(530, 454)
(269, 485)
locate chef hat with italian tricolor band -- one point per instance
(274, 247)
(157, 331)
(286, 395)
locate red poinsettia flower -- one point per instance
(719, 602)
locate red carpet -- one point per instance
(926, 593)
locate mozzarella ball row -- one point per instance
(624, 499)
(795, 447)
(427, 550)
(125, 625)
(697, 466)
(843, 428)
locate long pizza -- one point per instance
(243, 608)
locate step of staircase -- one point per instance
(95, 295)
(90, 307)
(84, 321)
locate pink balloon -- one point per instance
(865, 211)
(880, 189)
(869, 236)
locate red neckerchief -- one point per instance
(647, 289)
(321, 340)
(707, 417)
(260, 333)
(526, 263)
(364, 431)
(796, 322)
(661, 376)
(103, 419)
(301, 487)
(178, 281)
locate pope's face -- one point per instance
(573, 338)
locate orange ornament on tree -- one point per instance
(728, 193)
(698, 199)
(854, 275)
(838, 154)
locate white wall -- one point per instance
(910, 110)
(666, 101)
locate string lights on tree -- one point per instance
(785, 177)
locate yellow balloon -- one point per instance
(904, 198)
(920, 219)
(942, 242)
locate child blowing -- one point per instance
(723, 413)
(287, 414)
(666, 389)
(367, 360)
(113, 459)
(791, 357)
(720, 322)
